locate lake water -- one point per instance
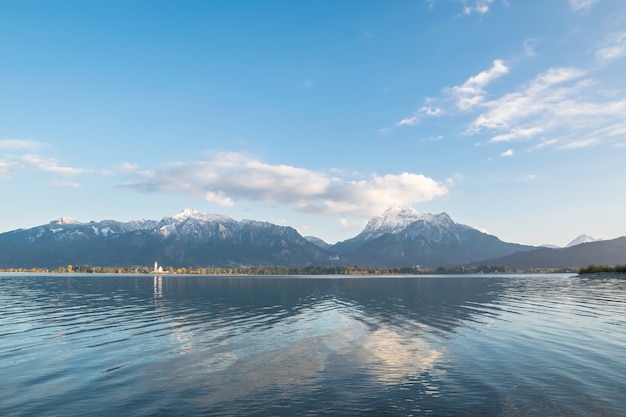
(132, 345)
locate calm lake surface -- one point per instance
(134, 345)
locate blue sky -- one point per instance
(509, 115)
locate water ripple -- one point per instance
(207, 346)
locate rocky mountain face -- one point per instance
(399, 237)
(403, 237)
(189, 238)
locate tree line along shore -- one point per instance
(602, 269)
(281, 270)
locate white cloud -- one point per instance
(581, 4)
(507, 153)
(613, 48)
(48, 165)
(7, 168)
(478, 6)
(516, 134)
(218, 198)
(431, 111)
(18, 160)
(349, 225)
(529, 47)
(433, 138)
(10, 164)
(227, 177)
(20, 144)
(542, 96)
(560, 101)
(66, 184)
(471, 93)
(581, 143)
(409, 121)
(127, 167)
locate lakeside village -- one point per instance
(312, 270)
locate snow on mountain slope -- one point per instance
(394, 220)
(196, 224)
(582, 239)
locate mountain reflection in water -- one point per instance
(191, 345)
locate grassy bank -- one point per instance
(600, 269)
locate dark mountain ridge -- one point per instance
(397, 238)
(402, 237)
(188, 239)
(601, 252)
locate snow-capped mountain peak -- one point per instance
(187, 213)
(66, 220)
(191, 214)
(393, 220)
(582, 239)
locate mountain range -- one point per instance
(398, 238)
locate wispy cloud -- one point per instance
(579, 5)
(472, 93)
(66, 184)
(16, 155)
(228, 177)
(529, 47)
(48, 165)
(477, 6)
(20, 144)
(416, 118)
(561, 107)
(614, 47)
(560, 99)
(516, 134)
(508, 153)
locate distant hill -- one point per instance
(319, 242)
(603, 252)
(397, 238)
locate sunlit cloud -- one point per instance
(227, 177)
(507, 153)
